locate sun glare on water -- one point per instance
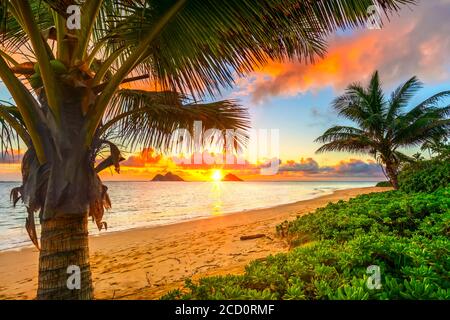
(216, 175)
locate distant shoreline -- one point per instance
(158, 258)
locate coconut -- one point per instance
(36, 81)
(36, 68)
(58, 67)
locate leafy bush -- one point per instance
(384, 184)
(393, 213)
(425, 176)
(406, 235)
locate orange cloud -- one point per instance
(308, 165)
(416, 43)
(146, 156)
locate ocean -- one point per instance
(147, 204)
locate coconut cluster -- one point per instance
(36, 80)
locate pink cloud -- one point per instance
(14, 156)
(356, 167)
(347, 168)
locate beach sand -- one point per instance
(145, 263)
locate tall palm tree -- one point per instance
(384, 126)
(69, 97)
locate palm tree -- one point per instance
(384, 126)
(436, 145)
(70, 104)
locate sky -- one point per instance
(294, 98)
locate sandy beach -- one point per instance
(148, 262)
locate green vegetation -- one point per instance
(428, 175)
(425, 176)
(383, 184)
(406, 234)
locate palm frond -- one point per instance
(140, 118)
(60, 6)
(340, 133)
(9, 137)
(209, 42)
(358, 145)
(353, 104)
(419, 131)
(376, 96)
(343, 138)
(401, 96)
(435, 143)
(401, 157)
(430, 102)
(12, 34)
(363, 106)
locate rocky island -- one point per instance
(231, 177)
(169, 176)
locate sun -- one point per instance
(216, 175)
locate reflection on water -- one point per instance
(216, 197)
(138, 204)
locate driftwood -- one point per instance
(253, 236)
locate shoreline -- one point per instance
(146, 262)
(322, 193)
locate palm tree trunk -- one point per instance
(64, 249)
(393, 176)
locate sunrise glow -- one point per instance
(216, 175)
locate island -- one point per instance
(169, 176)
(231, 177)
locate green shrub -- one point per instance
(406, 235)
(416, 269)
(425, 176)
(384, 184)
(392, 212)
